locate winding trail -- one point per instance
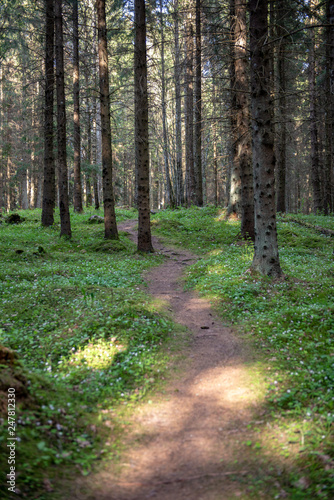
(188, 442)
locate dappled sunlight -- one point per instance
(215, 252)
(198, 435)
(201, 425)
(96, 356)
(221, 216)
(219, 269)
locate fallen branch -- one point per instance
(327, 232)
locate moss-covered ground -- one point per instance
(89, 341)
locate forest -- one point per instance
(166, 252)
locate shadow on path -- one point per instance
(189, 442)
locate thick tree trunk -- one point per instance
(65, 223)
(76, 118)
(243, 145)
(266, 258)
(178, 118)
(189, 109)
(110, 227)
(198, 108)
(315, 174)
(49, 191)
(141, 130)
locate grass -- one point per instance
(90, 342)
(88, 339)
(291, 321)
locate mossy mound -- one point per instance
(109, 246)
(11, 376)
(95, 219)
(14, 219)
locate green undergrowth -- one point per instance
(88, 339)
(291, 321)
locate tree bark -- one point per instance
(88, 176)
(49, 191)
(178, 122)
(315, 174)
(243, 144)
(189, 108)
(2, 173)
(234, 204)
(94, 158)
(281, 77)
(329, 195)
(266, 258)
(141, 130)
(281, 149)
(214, 140)
(170, 201)
(198, 108)
(110, 227)
(65, 223)
(95, 128)
(76, 115)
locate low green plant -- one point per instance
(88, 338)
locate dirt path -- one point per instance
(189, 442)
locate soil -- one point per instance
(189, 440)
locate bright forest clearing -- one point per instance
(90, 339)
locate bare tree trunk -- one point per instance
(189, 105)
(2, 173)
(198, 108)
(281, 153)
(94, 158)
(315, 175)
(23, 170)
(178, 123)
(281, 146)
(35, 158)
(266, 258)
(7, 154)
(169, 189)
(76, 117)
(214, 140)
(110, 227)
(234, 206)
(329, 187)
(141, 130)
(65, 222)
(49, 191)
(95, 131)
(243, 144)
(88, 179)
